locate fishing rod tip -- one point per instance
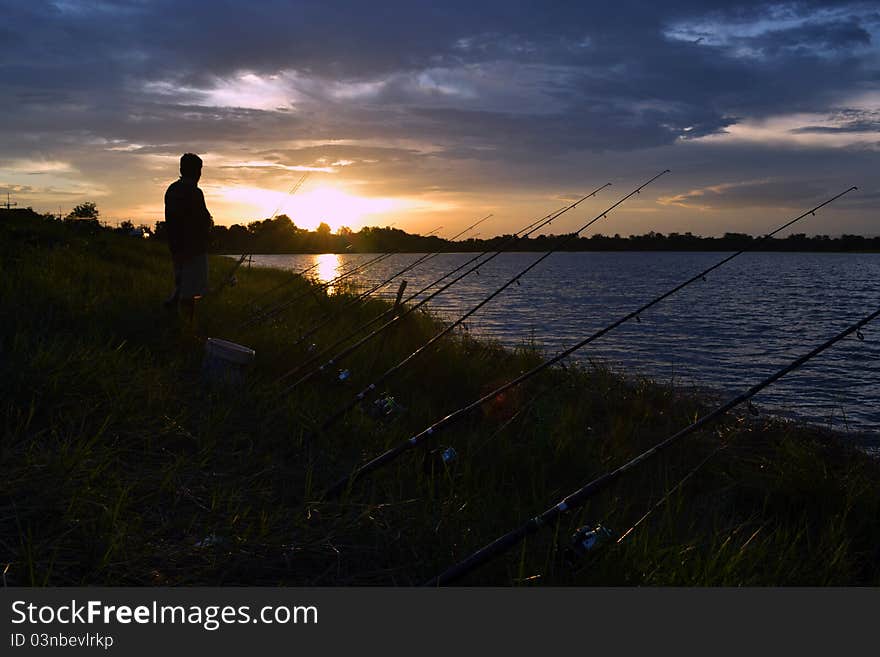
(853, 188)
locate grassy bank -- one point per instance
(121, 467)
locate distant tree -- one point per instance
(272, 235)
(125, 227)
(287, 222)
(219, 237)
(239, 239)
(84, 217)
(87, 210)
(323, 229)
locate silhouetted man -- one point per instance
(189, 224)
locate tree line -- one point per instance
(281, 235)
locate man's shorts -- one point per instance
(191, 277)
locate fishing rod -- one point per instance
(506, 244)
(330, 348)
(231, 276)
(581, 495)
(339, 413)
(363, 295)
(279, 308)
(431, 431)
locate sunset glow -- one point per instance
(309, 207)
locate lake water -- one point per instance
(749, 318)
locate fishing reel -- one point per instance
(585, 542)
(385, 408)
(439, 459)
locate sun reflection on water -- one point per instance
(329, 267)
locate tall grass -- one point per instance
(120, 466)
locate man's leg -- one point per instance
(171, 301)
(193, 284)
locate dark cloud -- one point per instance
(762, 194)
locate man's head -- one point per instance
(190, 166)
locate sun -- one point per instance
(308, 208)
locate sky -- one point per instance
(418, 114)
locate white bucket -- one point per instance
(225, 361)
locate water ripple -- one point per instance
(750, 317)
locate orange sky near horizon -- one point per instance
(240, 192)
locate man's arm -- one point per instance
(172, 219)
(205, 217)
